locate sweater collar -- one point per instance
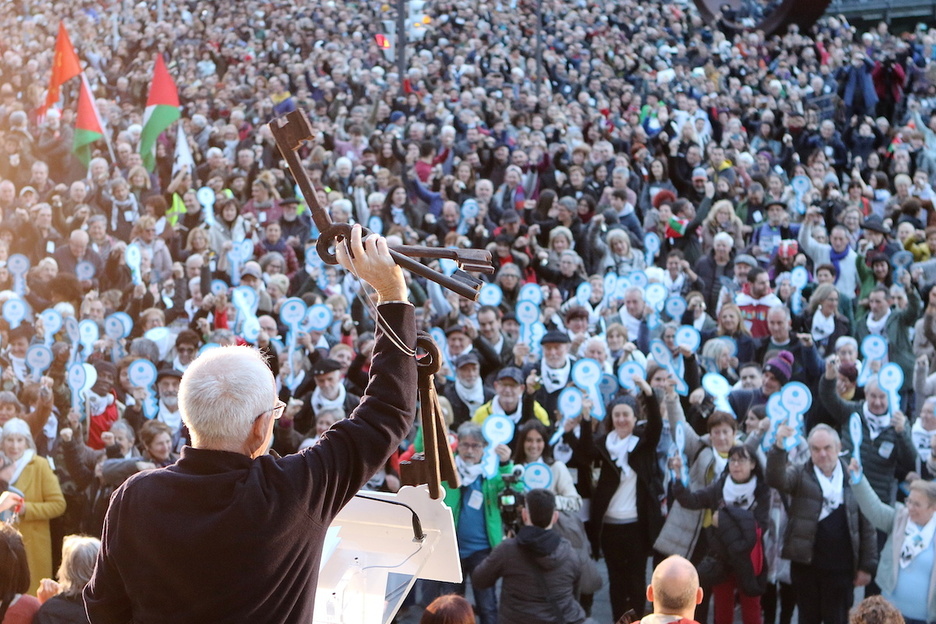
(205, 461)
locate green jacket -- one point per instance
(897, 332)
(490, 488)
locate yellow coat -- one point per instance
(44, 501)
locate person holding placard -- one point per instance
(837, 252)
(625, 511)
(893, 323)
(886, 449)
(553, 372)
(514, 398)
(479, 527)
(740, 502)
(532, 439)
(683, 533)
(907, 569)
(831, 545)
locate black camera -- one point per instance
(510, 501)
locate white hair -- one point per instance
(18, 426)
(223, 392)
(724, 237)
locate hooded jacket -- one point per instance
(535, 562)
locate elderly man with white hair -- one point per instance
(230, 533)
(715, 265)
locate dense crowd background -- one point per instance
(742, 157)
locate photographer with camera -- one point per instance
(539, 568)
(476, 506)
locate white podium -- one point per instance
(371, 556)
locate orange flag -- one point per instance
(64, 67)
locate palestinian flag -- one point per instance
(88, 126)
(162, 109)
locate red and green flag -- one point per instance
(65, 66)
(162, 109)
(88, 126)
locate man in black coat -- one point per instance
(229, 533)
(467, 392)
(540, 569)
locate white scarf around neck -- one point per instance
(876, 424)
(555, 379)
(469, 473)
(832, 494)
(472, 397)
(916, 540)
(319, 402)
(822, 326)
(171, 418)
(620, 448)
(921, 439)
(739, 494)
(720, 463)
(878, 327)
(515, 415)
(21, 464)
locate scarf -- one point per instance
(721, 462)
(916, 540)
(173, 419)
(630, 323)
(99, 403)
(921, 439)
(620, 448)
(398, 216)
(674, 286)
(836, 258)
(293, 382)
(876, 424)
(822, 326)
(832, 495)
(118, 207)
(21, 464)
(472, 397)
(555, 379)
(19, 367)
(469, 473)
(320, 402)
(877, 327)
(739, 494)
(178, 365)
(497, 408)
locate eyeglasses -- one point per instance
(470, 445)
(277, 410)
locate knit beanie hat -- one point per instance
(780, 366)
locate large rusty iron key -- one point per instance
(294, 128)
(436, 464)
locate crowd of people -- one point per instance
(676, 202)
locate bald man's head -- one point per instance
(674, 588)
